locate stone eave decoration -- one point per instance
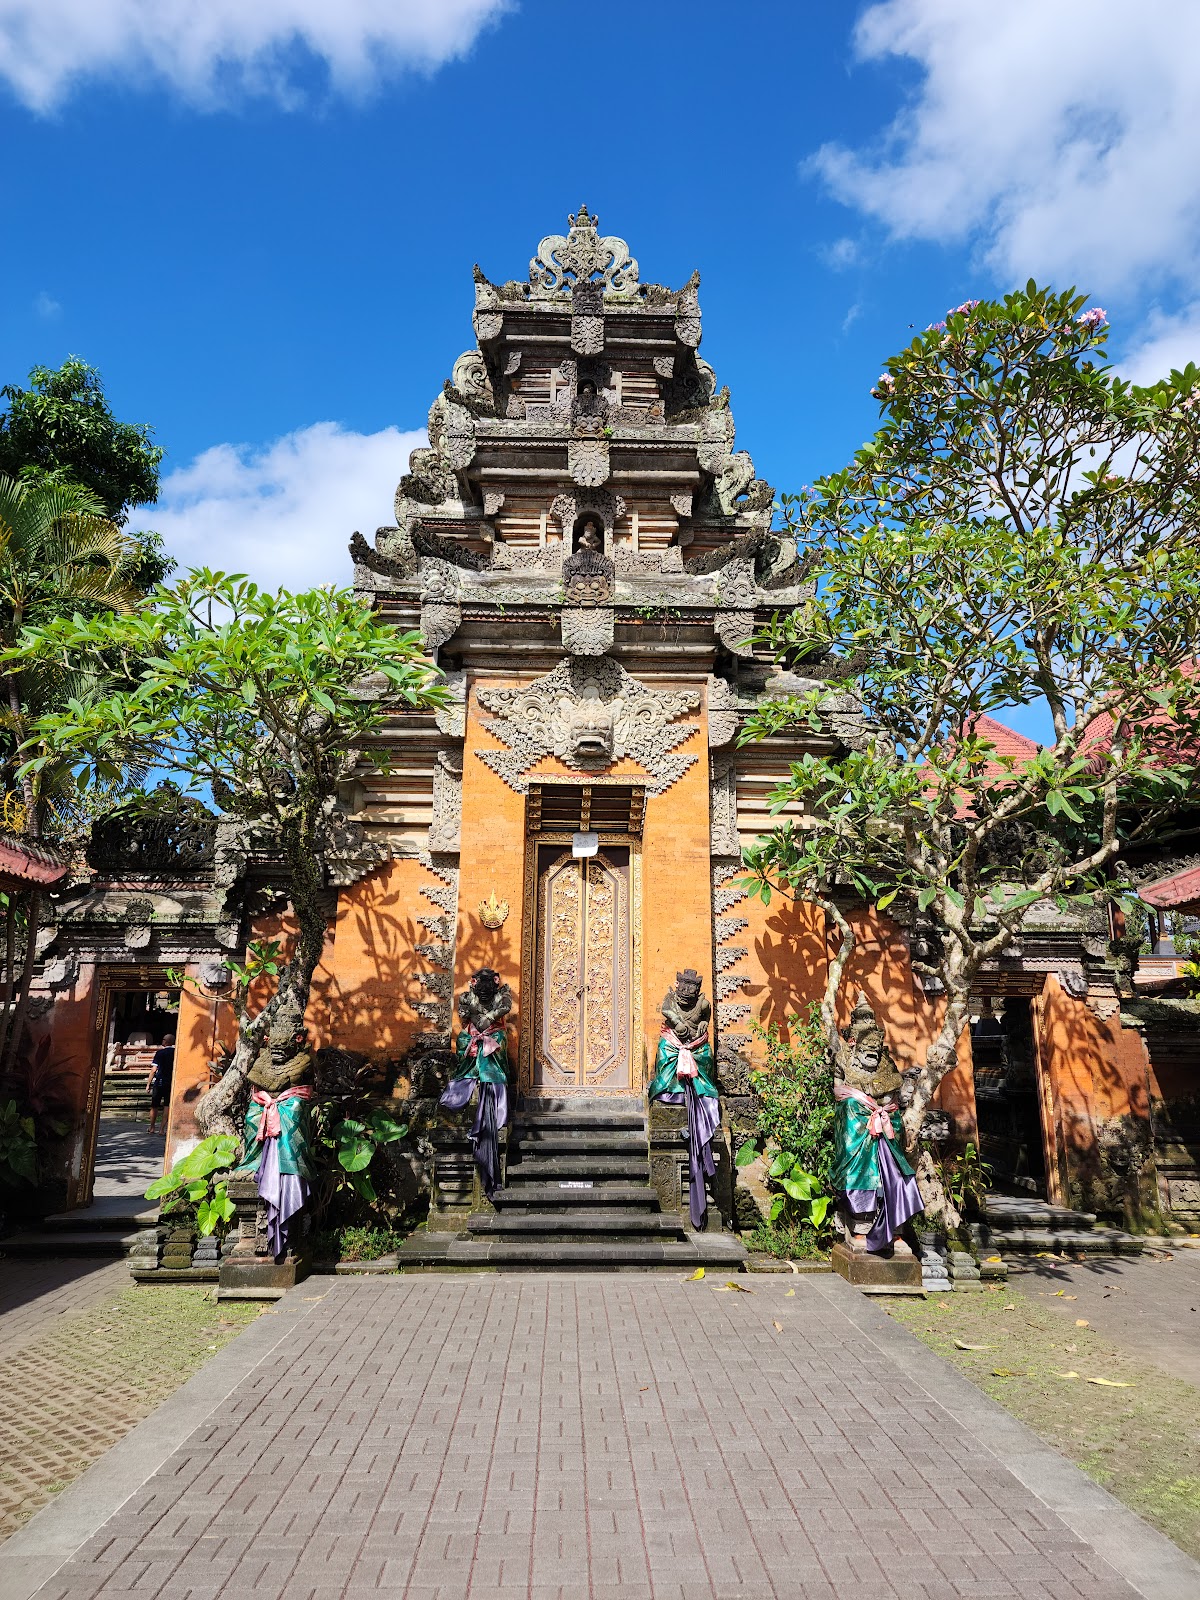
(588, 712)
(563, 260)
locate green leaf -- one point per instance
(926, 897)
(800, 1188)
(885, 901)
(818, 1210)
(782, 1163)
(747, 1153)
(778, 1207)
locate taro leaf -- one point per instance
(781, 1164)
(746, 1154)
(778, 1207)
(819, 1207)
(355, 1154)
(208, 1156)
(800, 1188)
(362, 1186)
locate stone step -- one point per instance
(542, 1196)
(546, 1169)
(583, 1105)
(84, 1242)
(1024, 1211)
(555, 1224)
(107, 1214)
(566, 1121)
(694, 1250)
(570, 1143)
(1082, 1241)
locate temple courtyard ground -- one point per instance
(594, 1436)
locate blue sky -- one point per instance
(259, 217)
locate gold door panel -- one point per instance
(583, 1028)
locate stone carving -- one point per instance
(606, 505)
(493, 499)
(588, 573)
(722, 788)
(687, 313)
(443, 893)
(583, 255)
(681, 502)
(664, 366)
(446, 826)
(588, 632)
(451, 718)
(587, 462)
(587, 318)
(734, 629)
(875, 1187)
(588, 712)
(166, 834)
(348, 850)
(440, 621)
(472, 380)
(723, 715)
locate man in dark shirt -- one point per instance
(158, 1084)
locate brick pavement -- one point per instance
(434, 1438)
(35, 1294)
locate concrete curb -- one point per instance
(33, 1554)
(1143, 1557)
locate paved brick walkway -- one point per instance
(34, 1295)
(433, 1438)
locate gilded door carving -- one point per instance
(583, 1029)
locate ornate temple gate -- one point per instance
(582, 942)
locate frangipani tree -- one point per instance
(266, 701)
(1023, 530)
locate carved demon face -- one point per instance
(591, 729)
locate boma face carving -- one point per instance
(591, 730)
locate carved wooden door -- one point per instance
(583, 1028)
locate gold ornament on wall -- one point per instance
(493, 913)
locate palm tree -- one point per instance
(60, 553)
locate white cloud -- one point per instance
(47, 306)
(204, 47)
(282, 512)
(1062, 135)
(839, 255)
(1167, 342)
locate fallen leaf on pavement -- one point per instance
(738, 1288)
(1066, 1374)
(1058, 1293)
(1082, 1322)
(1005, 1372)
(1111, 1383)
(1071, 1297)
(645, 1389)
(960, 1345)
(789, 1294)
(779, 1327)
(695, 1277)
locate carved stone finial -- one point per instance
(588, 574)
(582, 255)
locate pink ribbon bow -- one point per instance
(879, 1123)
(269, 1124)
(485, 1042)
(686, 1066)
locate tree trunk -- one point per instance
(10, 963)
(837, 967)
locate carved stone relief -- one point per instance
(589, 712)
(587, 318)
(442, 893)
(723, 715)
(733, 1063)
(681, 503)
(470, 377)
(565, 508)
(587, 631)
(440, 620)
(582, 254)
(687, 312)
(587, 461)
(722, 788)
(446, 827)
(734, 629)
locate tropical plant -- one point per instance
(967, 1179)
(269, 701)
(18, 1145)
(1023, 530)
(794, 1092)
(356, 1141)
(800, 1201)
(195, 1184)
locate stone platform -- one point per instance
(620, 1438)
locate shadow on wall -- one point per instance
(1099, 1079)
(790, 954)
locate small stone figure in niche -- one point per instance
(481, 1060)
(874, 1184)
(588, 574)
(684, 1075)
(277, 1144)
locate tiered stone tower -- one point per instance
(588, 557)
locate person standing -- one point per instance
(158, 1084)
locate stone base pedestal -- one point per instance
(876, 1274)
(250, 1277)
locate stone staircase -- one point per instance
(1019, 1224)
(123, 1094)
(577, 1196)
(110, 1226)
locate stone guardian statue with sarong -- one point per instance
(685, 1075)
(277, 1143)
(481, 1064)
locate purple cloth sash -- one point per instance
(490, 1117)
(282, 1193)
(895, 1202)
(704, 1117)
